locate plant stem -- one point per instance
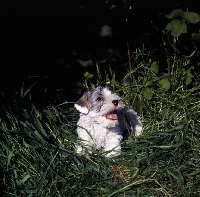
(128, 48)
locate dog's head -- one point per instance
(101, 104)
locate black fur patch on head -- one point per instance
(95, 98)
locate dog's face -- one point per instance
(101, 104)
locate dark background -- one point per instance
(42, 43)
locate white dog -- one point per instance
(102, 122)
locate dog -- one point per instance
(102, 123)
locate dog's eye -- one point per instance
(98, 99)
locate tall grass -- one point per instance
(37, 147)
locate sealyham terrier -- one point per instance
(104, 121)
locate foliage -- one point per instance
(191, 17)
(37, 147)
(179, 18)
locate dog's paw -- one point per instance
(138, 130)
(112, 155)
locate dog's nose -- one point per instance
(115, 102)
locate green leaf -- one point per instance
(196, 36)
(192, 17)
(189, 76)
(106, 31)
(195, 172)
(88, 75)
(40, 127)
(154, 67)
(175, 14)
(178, 177)
(85, 63)
(112, 6)
(147, 93)
(177, 27)
(25, 178)
(148, 83)
(39, 136)
(164, 83)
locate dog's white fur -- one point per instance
(102, 121)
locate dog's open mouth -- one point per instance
(111, 115)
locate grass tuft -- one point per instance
(37, 147)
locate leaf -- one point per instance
(175, 14)
(106, 31)
(148, 83)
(40, 127)
(147, 93)
(196, 36)
(194, 173)
(154, 67)
(39, 136)
(189, 76)
(77, 90)
(25, 178)
(178, 177)
(88, 75)
(85, 63)
(191, 17)
(177, 27)
(112, 6)
(164, 83)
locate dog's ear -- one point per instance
(82, 104)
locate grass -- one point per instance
(37, 151)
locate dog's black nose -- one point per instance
(115, 102)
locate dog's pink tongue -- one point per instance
(112, 116)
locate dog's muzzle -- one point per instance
(112, 115)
